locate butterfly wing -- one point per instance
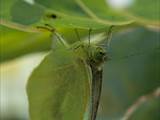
(59, 88)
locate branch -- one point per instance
(141, 100)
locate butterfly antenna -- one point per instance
(77, 34)
(109, 35)
(53, 31)
(60, 38)
(89, 36)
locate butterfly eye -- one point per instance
(101, 53)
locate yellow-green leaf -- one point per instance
(14, 43)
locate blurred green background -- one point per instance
(131, 73)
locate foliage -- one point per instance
(131, 72)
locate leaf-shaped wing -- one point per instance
(59, 88)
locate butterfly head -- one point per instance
(97, 56)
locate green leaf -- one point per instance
(144, 11)
(5, 7)
(59, 88)
(58, 13)
(20, 12)
(74, 13)
(14, 43)
(101, 11)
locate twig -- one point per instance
(141, 100)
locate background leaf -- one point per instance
(78, 13)
(14, 43)
(20, 12)
(58, 13)
(143, 11)
(72, 13)
(101, 11)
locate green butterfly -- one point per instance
(67, 83)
